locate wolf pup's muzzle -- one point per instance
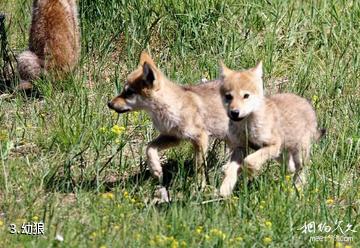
(113, 106)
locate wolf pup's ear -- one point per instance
(258, 70)
(224, 70)
(146, 58)
(148, 75)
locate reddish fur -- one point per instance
(54, 42)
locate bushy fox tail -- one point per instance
(29, 66)
(320, 133)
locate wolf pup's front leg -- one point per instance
(162, 142)
(231, 170)
(254, 161)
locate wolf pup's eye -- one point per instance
(129, 92)
(228, 97)
(246, 96)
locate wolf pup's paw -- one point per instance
(225, 167)
(225, 190)
(228, 185)
(161, 195)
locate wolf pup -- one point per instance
(268, 124)
(179, 113)
(54, 43)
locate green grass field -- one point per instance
(69, 161)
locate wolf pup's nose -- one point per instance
(234, 113)
(110, 104)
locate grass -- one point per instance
(64, 163)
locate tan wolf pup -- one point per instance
(178, 112)
(54, 42)
(268, 124)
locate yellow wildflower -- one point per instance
(103, 246)
(348, 246)
(116, 129)
(267, 240)
(315, 99)
(174, 244)
(117, 227)
(137, 236)
(35, 218)
(291, 190)
(152, 243)
(330, 201)
(199, 229)
(171, 238)
(338, 245)
(218, 233)
(268, 224)
(108, 195)
(239, 239)
(288, 178)
(3, 135)
(1, 223)
(160, 240)
(93, 235)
